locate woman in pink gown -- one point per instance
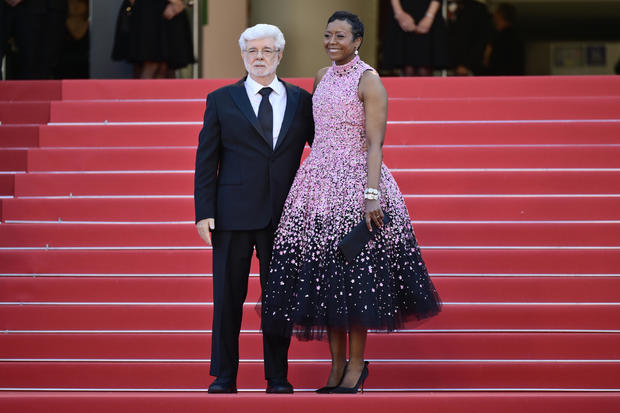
(312, 288)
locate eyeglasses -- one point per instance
(266, 53)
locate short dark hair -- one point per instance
(357, 27)
(508, 12)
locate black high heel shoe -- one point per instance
(360, 383)
(328, 389)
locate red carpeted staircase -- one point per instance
(105, 288)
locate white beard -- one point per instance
(263, 71)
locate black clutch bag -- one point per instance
(354, 242)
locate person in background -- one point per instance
(505, 55)
(155, 36)
(416, 38)
(36, 28)
(74, 55)
(469, 28)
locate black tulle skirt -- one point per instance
(312, 287)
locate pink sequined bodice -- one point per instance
(338, 111)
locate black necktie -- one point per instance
(265, 113)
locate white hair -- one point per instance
(261, 31)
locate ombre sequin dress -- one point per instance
(310, 285)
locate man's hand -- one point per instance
(204, 226)
(13, 3)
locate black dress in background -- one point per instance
(507, 54)
(402, 48)
(74, 57)
(37, 29)
(469, 29)
(144, 35)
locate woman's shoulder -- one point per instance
(365, 70)
(370, 76)
(370, 83)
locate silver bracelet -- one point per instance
(371, 193)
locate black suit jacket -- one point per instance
(240, 180)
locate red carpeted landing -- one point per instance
(513, 186)
(422, 402)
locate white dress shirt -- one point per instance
(277, 98)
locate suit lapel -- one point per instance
(240, 97)
(292, 99)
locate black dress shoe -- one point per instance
(279, 386)
(221, 385)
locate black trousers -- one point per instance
(232, 254)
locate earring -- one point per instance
(356, 51)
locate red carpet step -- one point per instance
(398, 109)
(396, 157)
(198, 261)
(29, 90)
(402, 345)
(425, 182)
(19, 136)
(310, 375)
(421, 209)
(397, 87)
(7, 185)
(196, 316)
(429, 234)
(576, 289)
(13, 159)
(543, 86)
(529, 133)
(24, 112)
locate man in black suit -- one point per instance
(249, 150)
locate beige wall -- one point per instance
(303, 22)
(220, 48)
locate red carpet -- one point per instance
(513, 185)
(437, 402)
